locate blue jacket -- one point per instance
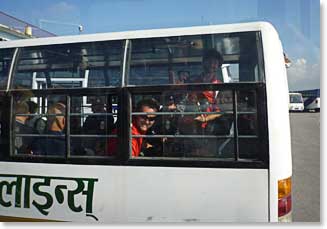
(55, 145)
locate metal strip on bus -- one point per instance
(68, 105)
(123, 83)
(13, 63)
(236, 142)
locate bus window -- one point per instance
(296, 98)
(157, 61)
(5, 63)
(43, 131)
(3, 127)
(69, 66)
(6, 56)
(92, 122)
(183, 127)
(232, 71)
(248, 131)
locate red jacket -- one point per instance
(210, 96)
(136, 143)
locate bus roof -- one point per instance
(226, 28)
(311, 92)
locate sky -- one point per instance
(297, 22)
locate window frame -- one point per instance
(12, 53)
(207, 162)
(228, 58)
(124, 93)
(124, 118)
(68, 159)
(21, 51)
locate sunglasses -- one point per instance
(150, 119)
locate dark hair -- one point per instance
(213, 54)
(97, 101)
(32, 107)
(152, 103)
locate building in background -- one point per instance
(12, 28)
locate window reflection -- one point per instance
(177, 131)
(5, 63)
(70, 66)
(156, 61)
(92, 120)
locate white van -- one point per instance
(296, 102)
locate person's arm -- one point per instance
(136, 147)
(208, 118)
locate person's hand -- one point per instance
(148, 146)
(172, 107)
(201, 118)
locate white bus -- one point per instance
(296, 102)
(238, 170)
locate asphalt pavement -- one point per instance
(305, 133)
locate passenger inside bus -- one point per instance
(212, 61)
(183, 76)
(23, 144)
(196, 101)
(175, 102)
(98, 125)
(36, 122)
(54, 145)
(152, 146)
(140, 125)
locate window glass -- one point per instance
(70, 66)
(5, 63)
(248, 131)
(295, 98)
(92, 122)
(184, 122)
(40, 125)
(192, 59)
(232, 70)
(4, 126)
(194, 124)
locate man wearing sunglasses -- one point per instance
(140, 125)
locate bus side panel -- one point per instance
(203, 195)
(280, 157)
(133, 194)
